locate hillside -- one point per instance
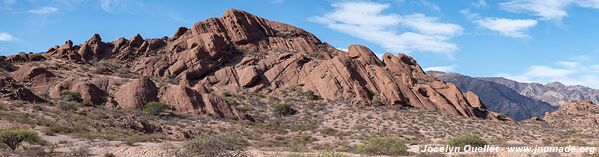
(246, 85)
(499, 98)
(554, 93)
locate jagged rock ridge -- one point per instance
(240, 52)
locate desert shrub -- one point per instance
(311, 96)
(78, 151)
(68, 95)
(2, 69)
(156, 108)
(501, 117)
(283, 109)
(329, 131)
(225, 145)
(331, 154)
(13, 137)
(69, 105)
(464, 140)
(227, 94)
(383, 146)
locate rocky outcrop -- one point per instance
(186, 100)
(10, 89)
(90, 93)
(137, 93)
(580, 114)
(240, 52)
(37, 77)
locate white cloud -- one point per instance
(44, 10)
(6, 37)
(588, 3)
(480, 3)
(507, 27)
(569, 64)
(545, 71)
(449, 68)
(430, 25)
(342, 49)
(547, 9)
(113, 6)
(366, 20)
(568, 72)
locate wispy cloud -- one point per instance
(113, 6)
(480, 3)
(449, 68)
(570, 72)
(547, 9)
(6, 37)
(44, 10)
(366, 20)
(508, 27)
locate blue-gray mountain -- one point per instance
(554, 93)
(498, 97)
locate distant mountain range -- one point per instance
(554, 93)
(498, 97)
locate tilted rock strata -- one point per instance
(242, 52)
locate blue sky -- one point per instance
(525, 40)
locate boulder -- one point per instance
(137, 93)
(91, 93)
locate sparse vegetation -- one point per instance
(383, 146)
(227, 94)
(464, 140)
(156, 108)
(283, 109)
(311, 96)
(13, 137)
(225, 145)
(501, 117)
(68, 95)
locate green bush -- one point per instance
(228, 144)
(383, 146)
(283, 109)
(68, 95)
(13, 137)
(311, 96)
(69, 105)
(2, 69)
(464, 140)
(156, 108)
(501, 117)
(227, 94)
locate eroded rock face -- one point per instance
(137, 93)
(12, 90)
(240, 52)
(38, 78)
(575, 114)
(91, 93)
(187, 100)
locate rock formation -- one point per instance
(240, 52)
(575, 114)
(10, 89)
